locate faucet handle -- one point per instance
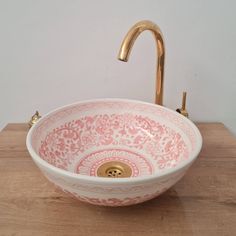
(183, 110)
(34, 119)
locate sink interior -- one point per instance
(113, 138)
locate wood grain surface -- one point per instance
(202, 203)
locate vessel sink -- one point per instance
(114, 152)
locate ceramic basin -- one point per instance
(114, 152)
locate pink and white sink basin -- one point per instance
(73, 143)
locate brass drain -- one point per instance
(114, 169)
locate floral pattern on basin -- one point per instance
(158, 146)
(71, 142)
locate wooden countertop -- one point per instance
(202, 203)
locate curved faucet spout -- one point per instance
(128, 43)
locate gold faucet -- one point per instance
(128, 43)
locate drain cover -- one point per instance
(114, 169)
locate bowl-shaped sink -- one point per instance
(114, 152)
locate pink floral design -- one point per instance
(154, 138)
(115, 202)
(63, 145)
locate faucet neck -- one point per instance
(128, 43)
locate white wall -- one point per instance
(55, 52)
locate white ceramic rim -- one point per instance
(104, 180)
